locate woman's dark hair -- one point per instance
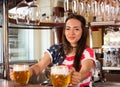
(81, 43)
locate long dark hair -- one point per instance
(81, 43)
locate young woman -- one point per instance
(72, 52)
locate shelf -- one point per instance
(111, 68)
(50, 25)
(105, 24)
(110, 46)
(41, 25)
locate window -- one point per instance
(20, 44)
(25, 44)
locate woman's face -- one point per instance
(73, 31)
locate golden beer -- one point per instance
(21, 74)
(59, 80)
(60, 76)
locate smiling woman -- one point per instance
(71, 52)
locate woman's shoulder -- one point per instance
(88, 48)
(89, 51)
(56, 46)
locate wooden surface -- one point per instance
(6, 83)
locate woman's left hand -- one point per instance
(75, 77)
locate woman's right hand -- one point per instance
(12, 74)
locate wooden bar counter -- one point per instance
(8, 83)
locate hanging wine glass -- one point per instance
(74, 6)
(81, 7)
(67, 5)
(23, 3)
(107, 10)
(102, 8)
(67, 8)
(115, 9)
(33, 14)
(21, 12)
(99, 15)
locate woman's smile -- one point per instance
(71, 38)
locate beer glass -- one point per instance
(21, 73)
(34, 13)
(60, 76)
(22, 12)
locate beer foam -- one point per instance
(60, 70)
(20, 67)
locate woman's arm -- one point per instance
(78, 77)
(42, 64)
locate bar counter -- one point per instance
(9, 83)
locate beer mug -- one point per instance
(21, 73)
(60, 76)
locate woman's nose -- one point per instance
(71, 31)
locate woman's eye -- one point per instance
(76, 29)
(67, 29)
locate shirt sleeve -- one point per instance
(54, 52)
(88, 54)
